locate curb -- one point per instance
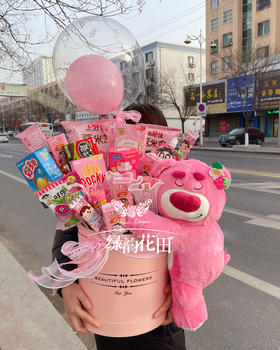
(216, 149)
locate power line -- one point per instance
(190, 11)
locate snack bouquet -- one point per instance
(135, 199)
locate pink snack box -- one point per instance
(56, 144)
(124, 160)
(92, 172)
(114, 222)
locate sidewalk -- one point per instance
(28, 320)
(269, 148)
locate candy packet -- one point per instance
(39, 169)
(159, 135)
(102, 132)
(54, 196)
(187, 144)
(33, 138)
(80, 149)
(167, 152)
(56, 147)
(123, 160)
(119, 190)
(130, 135)
(114, 222)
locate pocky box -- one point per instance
(33, 138)
(54, 196)
(56, 147)
(39, 169)
(92, 171)
(123, 160)
(81, 149)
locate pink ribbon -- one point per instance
(125, 115)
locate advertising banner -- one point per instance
(239, 89)
(211, 94)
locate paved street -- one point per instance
(243, 304)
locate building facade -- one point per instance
(244, 31)
(39, 73)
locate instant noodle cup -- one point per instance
(159, 135)
(33, 138)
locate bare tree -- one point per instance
(245, 69)
(19, 35)
(169, 86)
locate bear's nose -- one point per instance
(178, 174)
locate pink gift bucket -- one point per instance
(126, 293)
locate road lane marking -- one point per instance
(13, 177)
(252, 281)
(253, 172)
(270, 221)
(21, 154)
(267, 187)
(6, 155)
(247, 155)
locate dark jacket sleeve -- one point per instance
(60, 238)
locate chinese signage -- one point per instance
(16, 90)
(223, 126)
(85, 116)
(240, 91)
(211, 94)
(268, 90)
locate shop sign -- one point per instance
(240, 91)
(211, 94)
(268, 90)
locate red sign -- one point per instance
(223, 126)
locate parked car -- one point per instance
(4, 137)
(237, 137)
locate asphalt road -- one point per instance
(243, 304)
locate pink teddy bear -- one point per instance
(190, 202)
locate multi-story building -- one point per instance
(241, 28)
(166, 63)
(39, 73)
(244, 31)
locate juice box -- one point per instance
(39, 169)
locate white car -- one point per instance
(4, 137)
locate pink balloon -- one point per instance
(95, 84)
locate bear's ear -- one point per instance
(221, 176)
(159, 164)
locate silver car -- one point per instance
(4, 137)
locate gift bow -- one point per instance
(125, 115)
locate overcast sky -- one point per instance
(165, 20)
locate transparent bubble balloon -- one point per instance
(76, 49)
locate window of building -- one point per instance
(150, 91)
(227, 39)
(135, 76)
(135, 61)
(191, 77)
(214, 23)
(149, 56)
(214, 67)
(149, 73)
(263, 28)
(227, 62)
(263, 52)
(214, 48)
(214, 4)
(227, 16)
(123, 65)
(262, 4)
(191, 61)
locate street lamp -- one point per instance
(200, 40)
